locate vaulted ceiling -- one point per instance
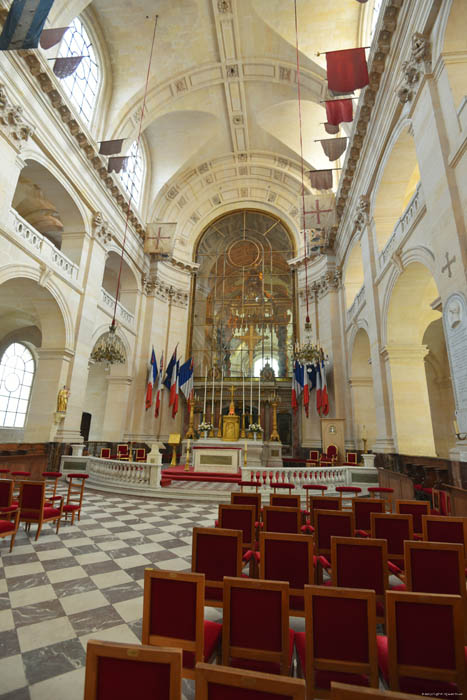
(221, 122)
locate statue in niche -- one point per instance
(62, 399)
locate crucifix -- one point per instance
(250, 338)
(448, 264)
(157, 238)
(317, 211)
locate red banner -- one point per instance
(347, 70)
(338, 111)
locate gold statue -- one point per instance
(62, 399)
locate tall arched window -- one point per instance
(16, 375)
(82, 86)
(132, 178)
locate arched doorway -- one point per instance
(361, 386)
(417, 357)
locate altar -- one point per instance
(221, 456)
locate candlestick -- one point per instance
(212, 398)
(364, 433)
(259, 400)
(243, 391)
(251, 397)
(187, 461)
(205, 390)
(245, 454)
(219, 429)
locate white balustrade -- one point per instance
(357, 303)
(403, 225)
(327, 476)
(135, 474)
(42, 246)
(108, 303)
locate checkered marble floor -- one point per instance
(86, 582)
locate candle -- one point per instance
(456, 426)
(364, 434)
(259, 400)
(251, 396)
(245, 455)
(243, 391)
(222, 391)
(205, 390)
(212, 398)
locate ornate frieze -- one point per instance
(101, 229)
(362, 211)
(330, 281)
(12, 121)
(418, 63)
(154, 286)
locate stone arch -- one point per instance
(353, 274)
(361, 389)
(129, 281)
(397, 182)
(413, 332)
(451, 44)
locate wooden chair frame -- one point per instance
(340, 514)
(370, 669)
(141, 457)
(427, 519)
(309, 491)
(218, 532)
(6, 512)
(422, 504)
(362, 542)
(245, 508)
(326, 499)
(40, 520)
(196, 646)
(284, 537)
(392, 556)
(396, 670)
(436, 500)
(119, 457)
(287, 688)
(343, 691)
(228, 651)
(284, 497)
(51, 483)
(350, 462)
(283, 509)
(8, 504)
(313, 456)
(134, 652)
(356, 502)
(72, 489)
(253, 496)
(109, 450)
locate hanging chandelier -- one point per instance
(109, 348)
(308, 352)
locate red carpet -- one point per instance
(178, 473)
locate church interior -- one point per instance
(233, 349)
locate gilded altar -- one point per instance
(230, 428)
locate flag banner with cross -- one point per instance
(320, 212)
(159, 238)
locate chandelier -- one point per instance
(109, 348)
(308, 352)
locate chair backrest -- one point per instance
(239, 517)
(221, 683)
(332, 451)
(325, 503)
(286, 557)
(435, 567)
(351, 457)
(173, 612)
(344, 691)
(140, 453)
(123, 449)
(6, 492)
(117, 671)
(216, 553)
(360, 563)
(393, 528)
(425, 639)
(416, 509)
(329, 523)
(75, 492)
(32, 496)
(314, 455)
(362, 507)
(106, 453)
(441, 501)
(281, 519)
(256, 624)
(444, 528)
(340, 632)
(285, 500)
(249, 499)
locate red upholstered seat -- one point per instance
(78, 475)
(348, 489)
(340, 629)
(216, 553)
(395, 529)
(50, 512)
(445, 529)
(281, 485)
(282, 519)
(9, 509)
(254, 499)
(20, 473)
(34, 508)
(416, 509)
(315, 487)
(362, 508)
(4, 471)
(7, 526)
(425, 635)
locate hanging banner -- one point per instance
(320, 212)
(159, 238)
(321, 179)
(24, 24)
(334, 148)
(331, 128)
(64, 67)
(110, 148)
(118, 164)
(347, 70)
(52, 37)
(338, 111)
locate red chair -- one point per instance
(327, 524)
(51, 481)
(435, 567)
(441, 502)
(8, 527)
(123, 452)
(253, 484)
(140, 454)
(241, 517)
(382, 492)
(120, 671)
(222, 683)
(339, 643)
(248, 499)
(351, 459)
(281, 519)
(173, 615)
(256, 634)
(361, 563)
(324, 503)
(288, 558)
(313, 457)
(74, 499)
(282, 485)
(3, 473)
(416, 509)
(424, 649)
(395, 529)
(287, 501)
(361, 509)
(106, 453)
(443, 528)
(332, 453)
(352, 492)
(216, 553)
(344, 691)
(33, 506)
(309, 488)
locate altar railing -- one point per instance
(328, 476)
(134, 474)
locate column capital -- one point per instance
(13, 125)
(403, 352)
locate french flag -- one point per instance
(186, 379)
(174, 390)
(159, 388)
(318, 389)
(297, 384)
(324, 391)
(152, 374)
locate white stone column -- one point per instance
(14, 132)
(116, 407)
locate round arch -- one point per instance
(361, 388)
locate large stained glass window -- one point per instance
(243, 311)
(16, 376)
(83, 85)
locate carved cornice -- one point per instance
(331, 281)
(101, 229)
(418, 63)
(153, 286)
(362, 211)
(12, 122)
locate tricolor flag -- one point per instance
(185, 379)
(159, 388)
(297, 384)
(168, 372)
(174, 390)
(324, 391)
(24, 24)
(318, 389)
(152, 374)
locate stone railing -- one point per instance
(403, 225)
(121, 473)
(357, 303)
(108, 303)
(41, 245)
(327, 476)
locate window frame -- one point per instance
(4, 393)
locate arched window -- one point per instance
(16, 375)
(376, 9)
(132, 178)
(82, 86)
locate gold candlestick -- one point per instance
(219, 428)
(243, 434)
(190, 433)
(274, 437)
(187, 457)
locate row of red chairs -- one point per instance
(124, 453)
